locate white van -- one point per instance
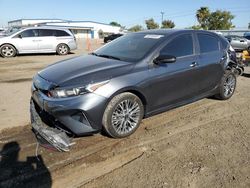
(37, 40)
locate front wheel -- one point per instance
(62, 49)
(123, 115)
(7, 50)
(227, 86)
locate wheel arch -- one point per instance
(134, 91)
(11, 45)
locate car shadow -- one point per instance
(246, 75)
(44, 54)
(29, 173)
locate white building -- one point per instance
(81, 29)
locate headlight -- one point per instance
(62, 93)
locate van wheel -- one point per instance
(123, 115)
(62, 49)
(7, 50)
(227, 86)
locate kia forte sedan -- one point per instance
(133, 77)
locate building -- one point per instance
(81, 29)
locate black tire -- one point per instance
(224, 87)
(111, 119)
(8, 50)
(240, 71)
(62, 49)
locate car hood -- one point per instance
(84, 70)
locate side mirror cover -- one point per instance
(162, 58)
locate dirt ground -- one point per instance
(203, 144)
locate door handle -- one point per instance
(194, 64)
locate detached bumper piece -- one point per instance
(48, 137)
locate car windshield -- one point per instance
(131, 47)
(12, 31)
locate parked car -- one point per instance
(2, 32)
(137, 76)
(37, 40)
(238, 43)
(247, 35)
(111, 37)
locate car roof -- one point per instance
(173, 31)
(45, 27)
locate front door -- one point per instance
(172, 83)
(27, 41)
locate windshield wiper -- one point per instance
(109, 56)
(105, 56)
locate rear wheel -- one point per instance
(7, 50)
(62, 49)
(123, 115)
(227, 86)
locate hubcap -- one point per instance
(229, 85)
(126, 116)
(63, 49)
(7, 51)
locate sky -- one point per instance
(125, 12)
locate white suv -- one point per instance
(37, 40)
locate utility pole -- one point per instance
(162, 13)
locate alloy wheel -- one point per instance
(8, 51)
(126, 116)
(229, 85)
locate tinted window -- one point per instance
(29, 33)
(46, 32)
(208, 43)
(60, 33)
(224, 43)
(179, 46)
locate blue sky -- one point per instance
(126, 12)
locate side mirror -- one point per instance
(242, 41)
(19, 36)
(165, 59)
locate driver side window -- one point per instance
(29, 33)
(180, 46)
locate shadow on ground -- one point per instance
(246, 75)
(29, 173)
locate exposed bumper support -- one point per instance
(48, 137)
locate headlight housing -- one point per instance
(71, 92)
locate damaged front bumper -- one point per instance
(52, 138)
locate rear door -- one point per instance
(47, 40)
(210, 60)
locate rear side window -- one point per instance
(46, 32)
(224, 43)
(180, 46)
(208, 43)
(60, 33)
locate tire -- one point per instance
(62, 49)
(227, 86)
(117, 121)
(8, 50)
(240, 71)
